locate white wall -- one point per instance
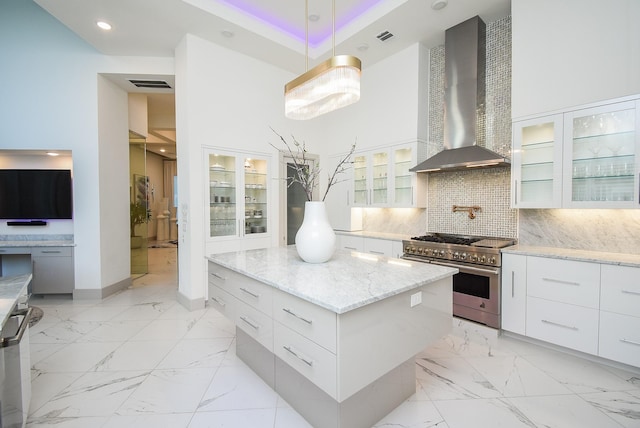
(572, 52)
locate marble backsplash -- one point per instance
(616, 231)
(400, 221)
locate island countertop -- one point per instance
(348, 281)
(11, 288)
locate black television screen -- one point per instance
(35, 194)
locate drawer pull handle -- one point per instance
(298, 356)
(560, 325)
(290, 312)
(218, 276)
(351, 248)
(250, 293)
(252, 324)
(219, 301)
(630, 341)
(50, 251)
(631, 292)
(513, 290)
(559, 281)
(376, 252)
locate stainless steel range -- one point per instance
(476, 288)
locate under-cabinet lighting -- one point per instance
(53, 154)
(478, 165)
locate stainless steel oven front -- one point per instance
(476, 292)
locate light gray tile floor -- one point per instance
(139, 359)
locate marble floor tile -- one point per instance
(57, 422)
(254, 418)
(452, 378)
(173, 420)
(44, 386)
(39, 351)
(76, 357)
(98, 313)
(210, 328)
(164, 330)
(289, 418)
(190, 353)
(149, 310)
(168, 391)
(562, 411)
(92, 394)
(413, 414)
(483, 413)
(622, 407)
(135, 356)
(115, 331)
(64, 332)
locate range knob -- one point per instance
(463, 256)
(420, 250)
(474, 258)
(441, 253)
(456, 255)
(492, 260)
(483, 259)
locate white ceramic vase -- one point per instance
(315, 240)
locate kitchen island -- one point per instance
(337, 340)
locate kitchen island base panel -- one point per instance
(361, 410)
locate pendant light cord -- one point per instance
(306, 35)
(333, 26)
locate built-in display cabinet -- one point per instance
(583, 158)
(586, 306)
(381, 177)
(237, 195)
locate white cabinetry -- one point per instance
(381, 177)
(586, 306)
(514, 293)
(52, 270)
(339, 201)
(581, 158)
(237, 195)
(363, 244)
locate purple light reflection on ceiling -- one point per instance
(298, 30)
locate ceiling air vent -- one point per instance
(384, 36)
(150, 84)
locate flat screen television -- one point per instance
(35, 194)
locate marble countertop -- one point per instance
(375, 235)
(11, 288)
(348, 281)
(28, 244)
(579, 255)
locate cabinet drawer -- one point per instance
(380, 247)
(306, 357)
(353, 243)
(620, 338)
(309, 320)
(15, 250)
(256, 324)
(566, 281)
(245, 289)
(223, 302)
(620, 290)
(52, 252)
(570, 326)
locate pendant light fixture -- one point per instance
(330, 85)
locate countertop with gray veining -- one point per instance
(348, 281)
(27, 241)
(11, 288)
(578, 255)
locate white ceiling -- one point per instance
(269, 30)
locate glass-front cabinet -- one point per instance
(601, 156)
(537, 163)
(381, 178)
(583, 158)
(237, 194)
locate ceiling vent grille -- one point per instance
(384, 36)
(150, 84)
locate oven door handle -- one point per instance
(462, 267)
(14, 340)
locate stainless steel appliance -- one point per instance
(15, 389)
(476, 288)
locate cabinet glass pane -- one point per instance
(222, 196)
(255, 196)
(402, 176)
(360, 180)
(604, 158)
(537, 154)
(380, 166)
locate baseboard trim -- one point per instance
(101, 293)
(190, 304)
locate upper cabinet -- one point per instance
(584, 158)
(537, 163)
(237, 208)
(381, 178)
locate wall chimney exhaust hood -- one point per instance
(465, 56)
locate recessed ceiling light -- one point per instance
(314, 18)
(53, 154)
(227, 33)
(439, 4)
(104, 25)
(162, 150)
(362, 47)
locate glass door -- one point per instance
(403, 189)
(255, 196)
(222, 196)
(537, 160)
(602, 156)
(360, 187)
(380, 169)
(139, 207)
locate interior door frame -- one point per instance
(284, 157)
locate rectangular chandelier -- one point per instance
(331, 85)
